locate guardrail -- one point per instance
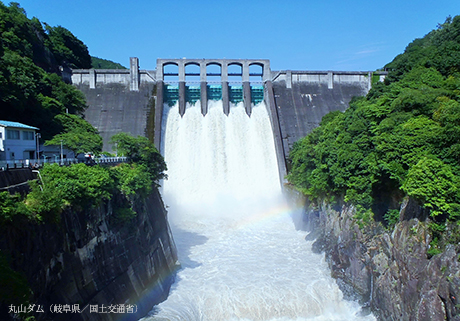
(37, 163)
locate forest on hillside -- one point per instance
(402, 139)
(33, 56)
(99, 63)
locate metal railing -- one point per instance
(36, 163)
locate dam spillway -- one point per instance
(241, 256)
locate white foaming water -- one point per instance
(241, 256)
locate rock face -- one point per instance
(91, 258)
(390, 273)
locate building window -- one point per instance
(12, 134)
(28, 135)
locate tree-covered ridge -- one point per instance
(439, 49)
(32, 55)
(403, 138)
(99, 63)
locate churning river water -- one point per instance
(240, 253)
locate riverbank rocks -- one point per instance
(390, 271)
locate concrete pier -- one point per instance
(274, 119)
(92, 78)
(246, 88)
(225, 98)
(247, 97)
(225, 91)
(203, 89)
(182, 98)
(204, 97)
(134, 74)
(158, 114)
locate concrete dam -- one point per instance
(224, 127)
(132, 100)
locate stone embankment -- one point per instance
(94, 257)
(390, 272)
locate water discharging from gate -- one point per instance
(241, 256)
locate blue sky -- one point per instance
(293, 34)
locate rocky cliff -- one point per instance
(94, 258)
(389, 271)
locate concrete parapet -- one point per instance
(132, 78)
(327, 77)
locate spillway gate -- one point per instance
(244, 90)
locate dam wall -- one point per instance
(302, 98)
(119, 100)
(113, 108)
(132, 100)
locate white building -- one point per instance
(17, 141)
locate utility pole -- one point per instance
(62, 156)
(37, 145)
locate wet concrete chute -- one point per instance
(225, 128)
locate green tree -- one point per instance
(140, 150)
(67, 48)
(133, 180)
(434, 183)
(78, 135)
(76, 185)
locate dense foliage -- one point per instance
(99, 63)
(403, 138)
(140, 150)
(78, 135)
(31, 53)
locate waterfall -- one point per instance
(241, 256)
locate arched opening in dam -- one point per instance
(256, 73)
(170, 72)
(241, 256)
